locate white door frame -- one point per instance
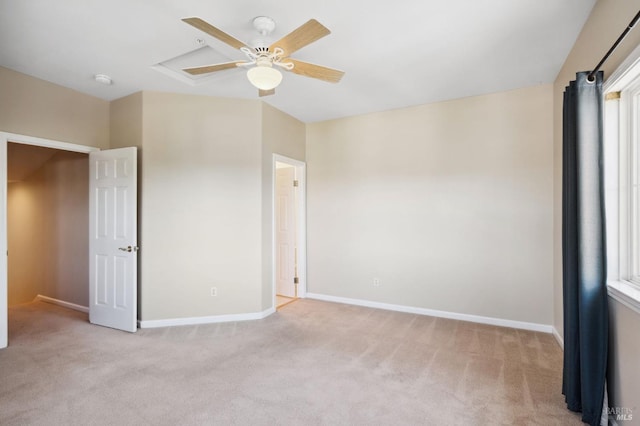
(5, 138)
(301, 223)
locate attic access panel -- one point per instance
(201, 56)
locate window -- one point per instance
(622, 181)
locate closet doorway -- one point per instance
(289, 230)
(5, 140)
(47, 225)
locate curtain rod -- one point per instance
(592, 74)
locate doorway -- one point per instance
(5, 139)
(289, 237)
(47, 226)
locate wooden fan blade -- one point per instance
(262, 93)
(315, 71)
(211, 68)
(300, 37)
(214, 32)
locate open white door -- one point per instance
(285, 219)
(113, 238)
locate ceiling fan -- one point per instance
(263, 60)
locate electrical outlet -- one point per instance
(214, 291)
(376, 282)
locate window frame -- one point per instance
(621, 151)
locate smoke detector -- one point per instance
(103, 79)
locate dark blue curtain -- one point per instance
(583, 250)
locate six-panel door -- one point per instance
(113, 238)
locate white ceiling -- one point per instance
(395, 54)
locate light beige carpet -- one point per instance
(311, 363)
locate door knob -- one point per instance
(129, 249)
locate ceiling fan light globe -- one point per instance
(264, 78)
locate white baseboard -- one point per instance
(205, 320)
(558, 337)
(62, 303)
(434, 313)
(367, 303)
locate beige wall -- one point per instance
(201, 206)
(48, 237)
(606, 22)
(449, 205)
(125, 115)
(25, 234)
(34, 107)
(283, 135)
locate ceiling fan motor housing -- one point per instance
(264, 25)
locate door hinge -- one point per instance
(296, 280)
(295, 182)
